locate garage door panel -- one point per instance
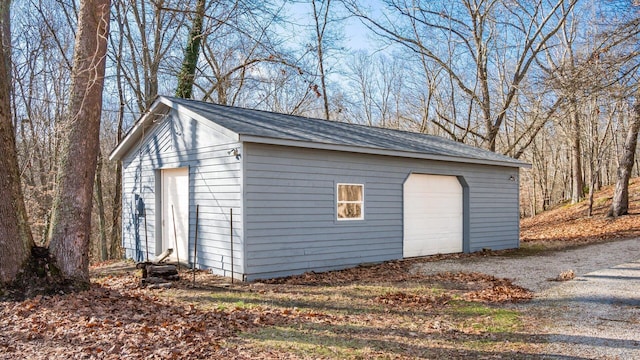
(432, 215)
(434, 204)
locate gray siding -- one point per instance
(215, 184)
(290, 213)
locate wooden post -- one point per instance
(146, 239)
(195, 246)
(231, 239)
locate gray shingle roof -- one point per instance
(263, 124)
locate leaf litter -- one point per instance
(117, 319)
(568, 225)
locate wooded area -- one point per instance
(551, 82)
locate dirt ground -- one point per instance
(596, 315)
(593, 315)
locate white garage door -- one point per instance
(432, 215)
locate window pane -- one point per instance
(349, 192)
(349, 211)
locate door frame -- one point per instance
(160, 202)
(466, 215)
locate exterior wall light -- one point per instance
(235, 152)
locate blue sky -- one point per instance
(355, 34)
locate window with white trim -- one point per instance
(350, 204)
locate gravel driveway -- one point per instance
(594, 316)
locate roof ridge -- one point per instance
(173, 98)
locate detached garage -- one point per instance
(266, 195)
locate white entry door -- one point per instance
(432, 215)
(175, 213)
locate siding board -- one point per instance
(289, 204)
(215, 180)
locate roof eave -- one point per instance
(134, 133)
(378, 151)
(137, 130)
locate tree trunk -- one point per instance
(620, 204)
(102, 226)
(15, 234)
(114, 244)
(115, 240)
(577, 184)
(71, 213)
(191, 53)
(5, 53)
(320, 31)
(592, 185)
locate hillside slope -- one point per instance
(569, 224)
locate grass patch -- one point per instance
(600, 202)
(527, 249)
(312, 341)
(484, 318)
(394, 320)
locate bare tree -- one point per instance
(379, 90)
(321, 20)
(117, 46)
(71, 214)
(285, 89)
(242, 56)
(620, 204)
(99, 200)
(484, 32)
(598, 144)
(43, 38)
(567, 74)
(585, 77)
(15, 234)
(150, 31)
(627, 33)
